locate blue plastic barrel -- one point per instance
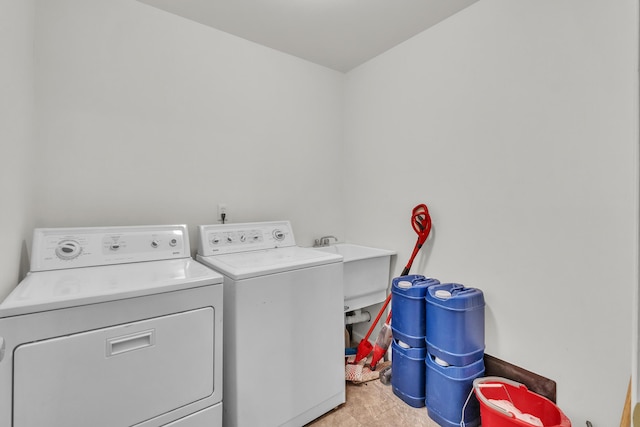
(408, 306)
(455, 323)
(408, 379)
(447, 390)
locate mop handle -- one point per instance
(421, 223)
(375, 322)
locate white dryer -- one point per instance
(283, 324)
(113, 327)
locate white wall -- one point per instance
(151, 118)
(16, 138)
(516, 122)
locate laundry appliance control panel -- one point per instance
(60, 248)
(221, 239)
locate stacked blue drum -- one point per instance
(455, 351)
(408, 349)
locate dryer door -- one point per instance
(116, 376)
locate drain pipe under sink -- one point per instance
(358, 316)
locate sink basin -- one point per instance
(366, 273)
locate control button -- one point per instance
(68, 249)
(278, 235)
(215, 240)
(114, 246)
(229, 239)
(173, 242)
(155, 243)
(243, 237)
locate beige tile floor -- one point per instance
(373, 404)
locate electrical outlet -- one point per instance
(223, 216)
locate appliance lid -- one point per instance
(56, 289)
(244, 265)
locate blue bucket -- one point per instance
(455, 323)
(408, 306)
(447, 389)
(408, 378)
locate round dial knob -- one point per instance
(173, 242)
(215, 240)
(114, 246)
(278, 235)
(243, 237)
(155, 243)
(68, 249)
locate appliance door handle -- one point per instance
(131, 342)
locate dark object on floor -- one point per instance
(385, 375)
(534, 382)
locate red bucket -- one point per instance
(506, 403)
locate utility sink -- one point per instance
(366, 273)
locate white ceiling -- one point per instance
(339, 34)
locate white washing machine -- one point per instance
(283, 324)
(112, 327)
